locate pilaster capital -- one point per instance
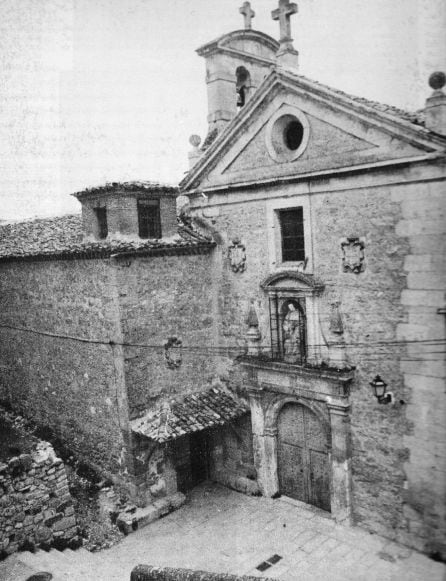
(270, 432)
(338, 408)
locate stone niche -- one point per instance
(323, 395)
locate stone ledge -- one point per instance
(341, 375)
(129, 522)
(150, 573)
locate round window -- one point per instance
(287, 135)
(293, 135)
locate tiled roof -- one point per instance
(192, 413)
(417, 117)
(135, 186)
(61, 237)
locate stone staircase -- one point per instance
(67, 565)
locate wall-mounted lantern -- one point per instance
(379, 389)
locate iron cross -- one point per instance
(248, 14)
(283, 15)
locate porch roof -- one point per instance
(188, 414)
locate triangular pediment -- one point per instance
(338, 132)
(327, 145)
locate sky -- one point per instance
(93, 91)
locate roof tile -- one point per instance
(62, 237)
(192, 413)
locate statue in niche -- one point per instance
(292, 334)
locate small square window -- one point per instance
(292, 235)
(149, 219)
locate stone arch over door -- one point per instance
(303, 455)
(333, 416)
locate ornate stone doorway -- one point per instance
(302, 456)
(301, 420)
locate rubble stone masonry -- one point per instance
(58, 323)
(36, 508)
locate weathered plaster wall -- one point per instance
(57, 319)
(36, 508)
(162, 297)
(396, 448)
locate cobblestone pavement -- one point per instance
(224, 531)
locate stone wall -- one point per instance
(233, 457)
(36, 508)
(163, 297)
(150, 573)
(58, 320)
(424, 370)
(397, 459)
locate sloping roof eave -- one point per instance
(400, 119)
(188, 414)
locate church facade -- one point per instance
(329, 211)
(284, 336)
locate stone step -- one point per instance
(68, 565)
(11, 569)
(128, 522)
(64, 565)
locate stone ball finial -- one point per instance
(195, 140)
(437, 80)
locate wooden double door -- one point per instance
(303, 463)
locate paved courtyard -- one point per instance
(224, 531)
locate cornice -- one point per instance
(282, 80)
(242, 34)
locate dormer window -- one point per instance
(149, 219)
(101, 220)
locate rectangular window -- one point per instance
(292, 234)
(101, 217)
(149, 219)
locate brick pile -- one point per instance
(36, 508)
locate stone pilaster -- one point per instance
(341, 497)
(265, 448)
